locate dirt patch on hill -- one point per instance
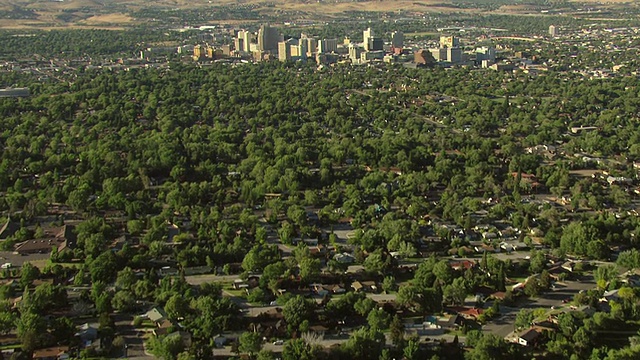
(107, 19)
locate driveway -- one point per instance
(134, 339)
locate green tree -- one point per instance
(524, 318)
(250, 342)
(29, 330)
(123, 301)
(266, 355)
(488, 347)
(309, 269)
(456, 292)
(177, 306)
(378, 319)
(296, 310)
(364, 306)
(298, 349)
(411, 351)
(396, 331)
(389, 284)
(28, 273)
(126, 278)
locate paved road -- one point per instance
(329, 342)
(504, 325)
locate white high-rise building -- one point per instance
(243, 41)
(553, 30)
(366, 35)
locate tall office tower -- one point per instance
(299, 50)
(243, 41)
(268, 38)
(247, 41)
(485, 53)
(366, 35)
(374, 44)
(239, 44)
(311, 43)
(449, 41)
(284, 51)
(354, 52)
(326, 46)
(397, 39)
(553, 30)
(454, 55)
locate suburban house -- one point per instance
(529, 337)
(88, 334)
(156, 315)
(64, 238)
(219, 340)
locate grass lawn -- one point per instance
(238, 293)
(9, 347)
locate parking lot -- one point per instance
(16, 260)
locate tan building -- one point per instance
(449, 41)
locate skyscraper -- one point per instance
(354, 52)
(243, 41)
(397, 39)
(366, 35)
(268, 38)
(311, 44)
(374, 44)
(326, 46)
(449, 41)
(284, 51)
(553, 30)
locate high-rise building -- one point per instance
(326, 46)
(268, 38)
(300, 50)
(239, 44)
(553, 30)
(397, 39)
(247, 36)
(243, 41)
(284, 51)
(449, 41)
(485, 53)
(366, 35)
(198, 52)
(374, 44)
(311, 44)
(454, 55)
(354, 52)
